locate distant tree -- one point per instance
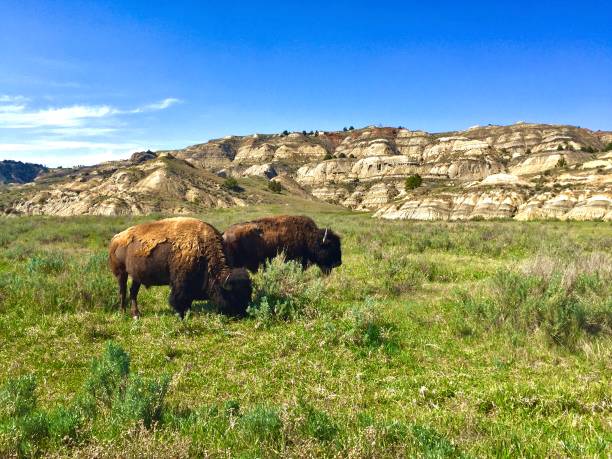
(608, 147)
(351, 128)
(328, 156)
(528, 151)
(304, 133)
(351, 155)
(341, 155)
(413, 181)
(275, 186)
(285, 132)
(562, 162)
(559, 147)
(231, 184)
(311, 133)
(345, 129)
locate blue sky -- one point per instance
(84, 82)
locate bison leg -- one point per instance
(179, 301)
(122, 280)
(134, 298)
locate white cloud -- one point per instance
(69, 135)
(51, 145)
(14, 116)
(67, 152)
(162, 104)
(13, 99)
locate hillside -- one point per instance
(18, 172)
(522, 171)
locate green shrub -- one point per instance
(108, 373)
(412, 182)
(275, 186)
(328, 156)
(282, 290)
(562, 162)
(231, 184)
(608, 147)
(563, 299)
(365, 327)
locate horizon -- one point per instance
(83, 84)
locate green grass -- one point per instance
(431, 340)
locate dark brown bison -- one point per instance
(250, 244)
(186, 254)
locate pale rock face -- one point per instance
(305, 152)
(331, 171)
(260, 170)
(535, 164)
(466, 169)
(503, 179)
(247, 154)
(377, 167)
(333, 194)
(364, 198)
(455, 146)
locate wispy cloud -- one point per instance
(16, 115)
(4, 98)
(52, 145)
(69, 135)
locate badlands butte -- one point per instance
(522, 171)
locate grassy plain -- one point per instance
(432, 340)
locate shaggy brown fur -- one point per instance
(252, 243)
(186, 254)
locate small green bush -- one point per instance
(562, 162)
(365, 327)
(608, 147)
(328, 156)
(231, 184)
(275, 186)
(282, 290)
(412, 182)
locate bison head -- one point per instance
(327, 253)
(233, 294)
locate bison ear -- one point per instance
(324, 236)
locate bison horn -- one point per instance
(325, 235)
(225, 285)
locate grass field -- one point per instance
(431, 340)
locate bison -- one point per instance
(186, 254)
(251, 244)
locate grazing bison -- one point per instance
(186, 254)
(250, 244)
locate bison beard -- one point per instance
(251, 244)
(186, 254)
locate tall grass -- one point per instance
(565, 299)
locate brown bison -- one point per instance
(186, 254)
(251, 244)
